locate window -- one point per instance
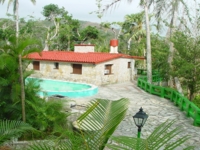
(129, 64)
(56, 65)
(108, 69)
(36, 65)
(77, 68)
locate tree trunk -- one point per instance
(145, 62)
(22, 88)
(171, 48)
(170, 59)
(17, 18)
(178, 85)
(46, 47)
(129, 44)
(20, 63)
(68, 45)
(148, 42)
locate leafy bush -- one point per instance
(43, 115)
(196, 101)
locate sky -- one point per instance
(79, 9)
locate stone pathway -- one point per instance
(158, 109)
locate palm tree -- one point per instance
(169, 11)
(162, 7)
(18, 48)
(130, 29)
(145, 5)
(148, 41)
(16, 13)
(133, 28)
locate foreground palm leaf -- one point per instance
(71, 142)
(12, 129)
(163, 137)
(99, 122)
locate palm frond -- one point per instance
(138, 34)
(163, 137)
(12, 129)
(2, 1)
(100, 120)
(42, 145)
(69, 141)
(127, 143)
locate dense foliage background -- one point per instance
(174, 54)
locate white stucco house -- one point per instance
(84, 65)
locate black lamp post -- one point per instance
(140, 119)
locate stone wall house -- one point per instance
(83, 65)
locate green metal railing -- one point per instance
(174, 96)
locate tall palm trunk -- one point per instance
(17, 17)
(148, 44)
(20, 63)
(22, 88)
(171, 48)
(68, 45)
(16, 12)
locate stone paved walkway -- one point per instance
(158, 109)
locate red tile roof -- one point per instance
(66, 56)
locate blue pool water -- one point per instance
(69, 89)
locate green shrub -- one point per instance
(196, 101)
(43, 115)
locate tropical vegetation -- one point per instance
(176, 54)
(168, 57)
(94, 129)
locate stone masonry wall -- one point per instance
(91, 73)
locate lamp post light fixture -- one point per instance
(140, 118)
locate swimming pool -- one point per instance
(64, 88)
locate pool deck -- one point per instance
(158, 109)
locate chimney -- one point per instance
(114, 46)
(84, 48)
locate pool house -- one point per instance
(83, 65)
